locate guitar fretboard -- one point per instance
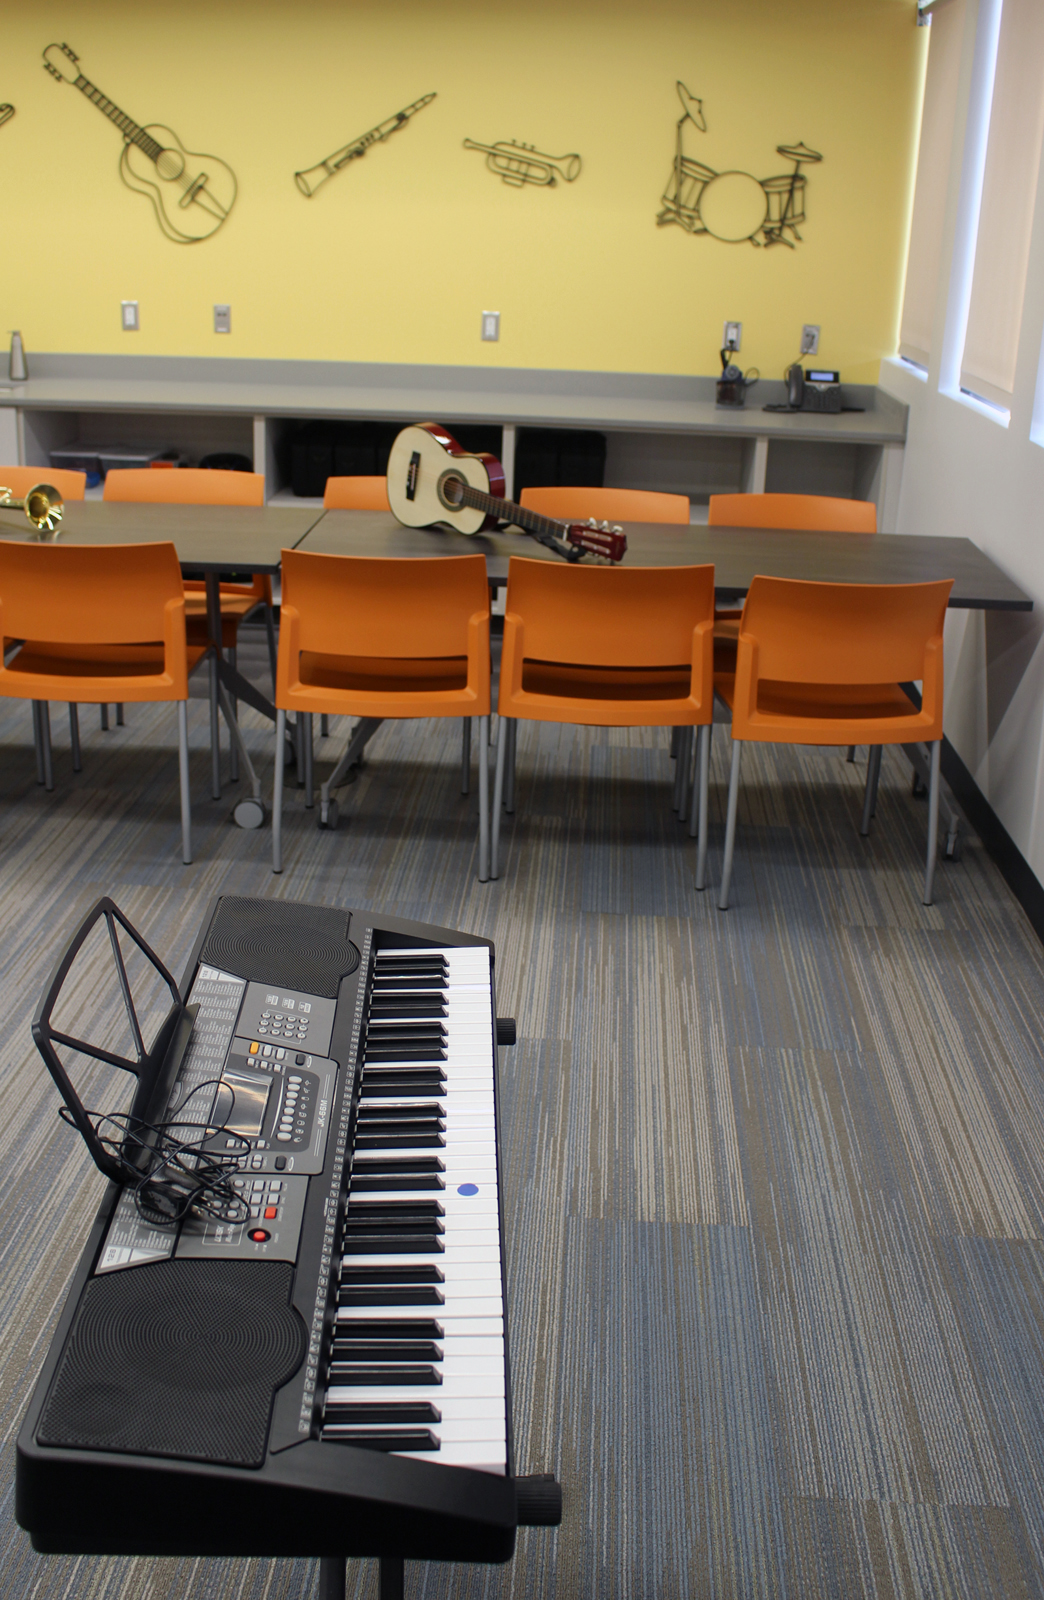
(127, 126)
(508, 511)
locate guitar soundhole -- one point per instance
(170, 164)
(451, 491)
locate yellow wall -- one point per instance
(396, 257)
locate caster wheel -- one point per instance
(249, 814)
(332, 815)
(953, 849)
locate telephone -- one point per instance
(795, 386)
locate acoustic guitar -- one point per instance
(433, 480)
(192, 194)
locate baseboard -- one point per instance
(1000, 846)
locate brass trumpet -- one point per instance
(518, 163)
(43, 505)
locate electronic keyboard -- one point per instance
(287, 1334)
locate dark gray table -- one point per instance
(738, 554)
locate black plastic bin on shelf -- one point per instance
(546, 457)
(322, 450)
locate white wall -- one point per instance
(967, 474)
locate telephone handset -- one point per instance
(795, 386)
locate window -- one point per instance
(1006, 213)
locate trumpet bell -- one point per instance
(43, 505)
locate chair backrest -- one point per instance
(384, 606)
(815, 511)
(20, 480)
(184, 486)
(858, 633)
(620, 505)
(608, 616)
(87, 593)
(356, 494)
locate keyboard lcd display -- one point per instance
(241, 1102)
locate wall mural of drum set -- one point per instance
(734, 207)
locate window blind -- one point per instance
(934, 155)
(1008, 193)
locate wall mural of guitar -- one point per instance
(192, 194)
(432, 480)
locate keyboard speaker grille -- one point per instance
(282, 943)
(180, 1359)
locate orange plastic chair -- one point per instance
(824, 664)
(626, 647)
(378, 638)
(185, 486)
(623, 505)
(815, 511)
(20, 480)
(356, 494)
(98, 623)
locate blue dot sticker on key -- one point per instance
(467, 1188)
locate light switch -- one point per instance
(222, 319)
(491, 325)
(129, 314)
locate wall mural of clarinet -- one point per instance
(308, 182)
(192, 194)
(733, 206)
(518, 164)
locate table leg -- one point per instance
(214, 639)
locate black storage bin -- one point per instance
(546, 457)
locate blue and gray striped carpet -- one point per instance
(775, 1178)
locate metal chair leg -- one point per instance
(299, 749)
(933, 822)
(851, 753)
(119, 713)
(104, 718)
(730, 825)
(685, 751)
(309, 763)
(483, 776)
(74, 736)
(215, 733)
(465, 756)
(873, 772)
(699, 809)
(45, 739)
(877, 784)
(38, 741)
(674, 743)
(277, 793)
(233, 753)
(183, 777)
(324, 725)
(498, 798)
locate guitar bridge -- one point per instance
(411, 475)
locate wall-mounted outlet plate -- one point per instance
(222, 319)
(810, 339)
(732, 337)
(491, 325)
(129, 316)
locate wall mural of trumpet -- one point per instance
(6, 113)
(309, 181)
(517, 164)
(734, 207)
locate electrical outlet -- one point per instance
(491, 325)
(222, 319)
(810, 339)
(129, 315)
(732, 337)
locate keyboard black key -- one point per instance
(389, 1411)
(400, 1141)
(402, 1439)
(387, 1328)
(369, 1114)
(371, 1166)
(421, 1272)
(386, 1350)
(367, 1375)
(415, 1295)
(391, 1181)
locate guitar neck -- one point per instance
(127, 126)
(508, 511)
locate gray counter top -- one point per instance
(632, 402)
